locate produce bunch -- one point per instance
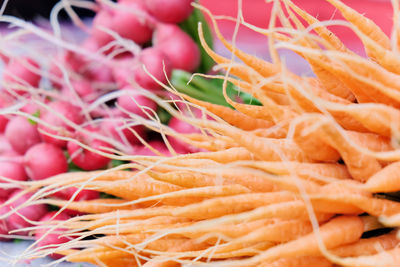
(307, 178)
(67, 104)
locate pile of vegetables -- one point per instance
(307, 178)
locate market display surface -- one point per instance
(244, 163)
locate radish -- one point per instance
(155, 62)
(5, 148)
(4, 228)
(69, 111)
(16, 71)
(103, 19)
(85, 159)
(21, 134)
(32, 212)
(156, 144)
(127, 23)
(12, 169)
(134, 102)
(114, 127)
(54, 237)
(84, 194)
(5, 100)
(44, 160)
(122, 72)
(178, 46)
(169, 11)
(185, 128)
(83, 88)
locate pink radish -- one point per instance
(12, 169)
(129, 22)
(54, 237)
(114, 127)
(5, 100)
(155, 61)
(84, 194)
(83, 88)
(44, 160)
(22, 134)
(123, 70)
(85, 159)
(158, 145)
(31, 212)
(178, 46)
(134, 102)
(4, 228)
(182, 127)
(18, 70)
(6, 148)
(103, 19)
(169, 11)
(66, 109)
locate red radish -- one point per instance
(155, 62)
(3, 123)
(114, 127)
(54, 237)
(5, 100)
(6, 148)
(123, 70)
(18, 70)
(134, 102)
(158, 145)
(129, 22)
(85, 159)
(83, 89)
(103, 19)
(170, 11)
(178, 46)
(12, 169)
(84, 194)
(31, 212)
(44, 160)
(4, 228)
(182, 127)
(69, 111)
(21, 134)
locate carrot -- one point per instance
(265, 148)
(215, 177)
(225, 156)
(368, 246)
(338, 231)
(237, 119)
(387, 258)
(92, 206)
(300, 261)
(265, 69)
(246, 74)
(386, 180)
(160, 263)
(365, 25)
(360, 166)
(131, 189)
(373, 206)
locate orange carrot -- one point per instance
(367, 26)
(305, 261)
(368, 246)
(337, 232)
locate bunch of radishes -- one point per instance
(90, 101)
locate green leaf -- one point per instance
(190, 27)
(37, 115)
(116, 162)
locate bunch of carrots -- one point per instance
(309, 178)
